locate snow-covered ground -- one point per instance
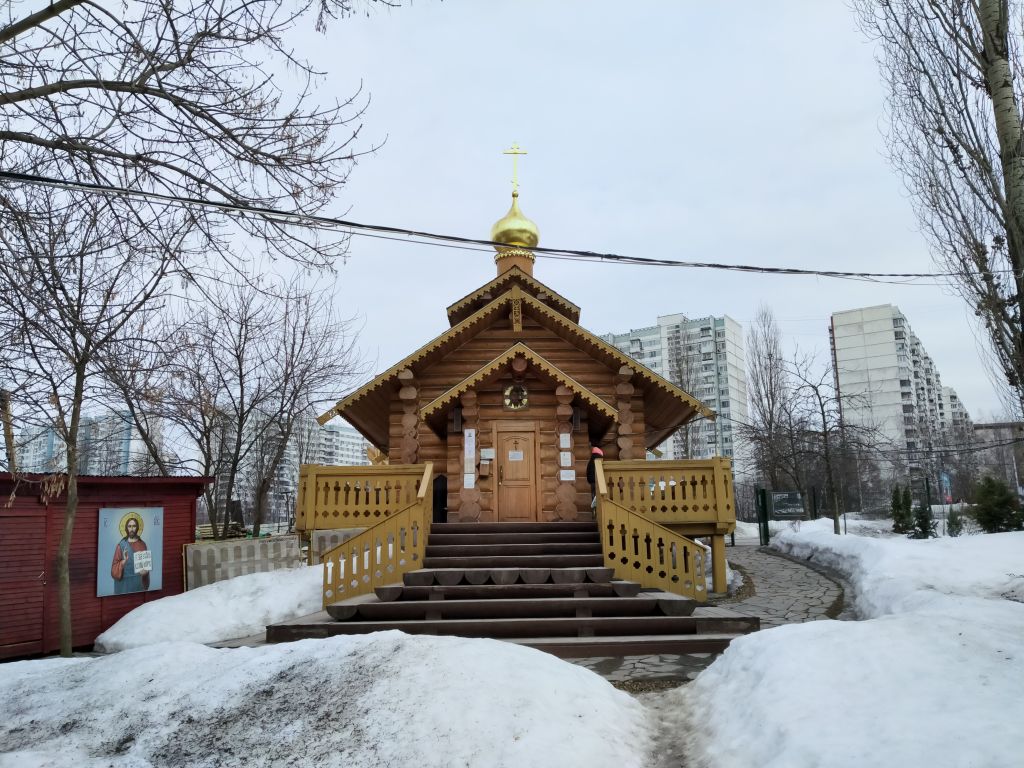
(386, 699)
(932, 676)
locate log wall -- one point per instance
(549, 407)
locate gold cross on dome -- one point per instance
(515, 151)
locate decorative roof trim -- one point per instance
(537, 360)
(637, 367)
(515, 292)
(514, 272)
(378, 381)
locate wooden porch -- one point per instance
(620, 581)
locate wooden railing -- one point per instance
(353, 497)
(696, 495)
(641, 550)
(383, 553)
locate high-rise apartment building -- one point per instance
(887, 382)
(333, 443)
(705, 356)
(109, 444)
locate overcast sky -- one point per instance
(742, 132)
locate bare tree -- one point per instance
(311, 357)
(247, 365)
(70, 283)
(771, 417)
(956, 136)
(683, 358)
(197, 99)
(820, 403)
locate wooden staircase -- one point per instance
(544, 585)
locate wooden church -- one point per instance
(485, 434)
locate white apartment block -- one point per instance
(108, 445)
(887, 381)
(333, 443)
(705, 356)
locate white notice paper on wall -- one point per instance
(469, 480)
(569, 475)
(565, 459)
(565, 441)
(469, 453)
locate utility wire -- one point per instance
(455, 241)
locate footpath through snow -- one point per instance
(931, 677)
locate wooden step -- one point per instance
(484, 591)
(516, 561)
(494, 608)
(586, 537)
(512, 527)
(508, 627)
(425, 577)
(630, 645)
(516, 549)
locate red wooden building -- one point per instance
(31, 520)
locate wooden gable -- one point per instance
(369, 408)
(482, 296)
(433, 413)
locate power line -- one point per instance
(454, 241)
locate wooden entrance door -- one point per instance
(517, 476)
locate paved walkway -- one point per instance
(775, 588)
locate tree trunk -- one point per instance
(994, 18)
(63, 557)
(70, 510)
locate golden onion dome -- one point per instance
(514, 230)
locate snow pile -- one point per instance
(385, 699)
(238, 607)
(931, 677)
(895, 575)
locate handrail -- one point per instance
(641, 550)
(383, 553)
(353, 497)
(694, 493)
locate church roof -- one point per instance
(483, 295)
(667, 407)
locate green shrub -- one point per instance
(923, 526)
(902, 519)
(996, 507)
(954, 523)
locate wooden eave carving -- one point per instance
(564, 326)
(466, 305)
(367, 407)
(439, 406)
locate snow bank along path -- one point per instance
(932, 677)
(385, 699)
(238, 607)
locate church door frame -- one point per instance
(500, 426)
